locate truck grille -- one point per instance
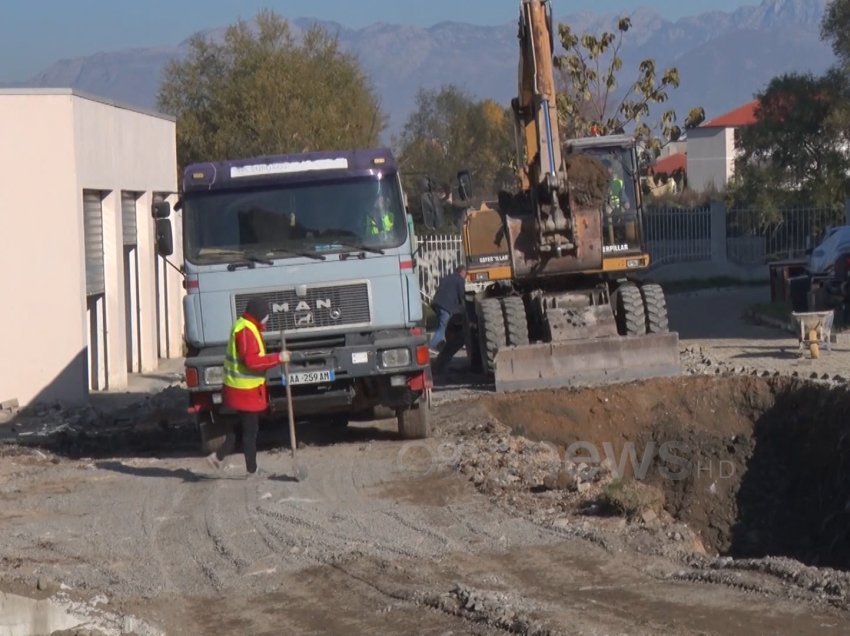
(320, 308)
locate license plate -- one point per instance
(311, 377)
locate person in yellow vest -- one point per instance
(380, 222)
(245, 366)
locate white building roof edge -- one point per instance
(83, 95)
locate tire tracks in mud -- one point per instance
(184, 536)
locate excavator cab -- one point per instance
(623, 244)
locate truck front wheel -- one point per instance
(414, 422)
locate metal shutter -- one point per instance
(128, 218)
(93, 229)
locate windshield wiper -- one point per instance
(361, 248)
(305, 253)
(254, 258)
(250, 261)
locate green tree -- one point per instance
(261, 91)
(591, 100)
(796, 153)
(835, 28)
(449, 131)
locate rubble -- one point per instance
(491, 608)
(155, 420)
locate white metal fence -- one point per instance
(749, 237)
(678, 235)
(755, 236)
(437, 256)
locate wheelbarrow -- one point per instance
(815, 328)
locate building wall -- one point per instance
(42, 324)
(124, 150)
(55, 144)
(710, 159)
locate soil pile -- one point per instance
(756, 466)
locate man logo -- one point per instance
(301, 306)
(304, 320)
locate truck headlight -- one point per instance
(392, 358)
(214, 375)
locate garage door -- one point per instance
(128, 217)
(93, 229)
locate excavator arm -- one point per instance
(543, 176)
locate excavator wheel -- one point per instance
(631, 317)
(516, 323)
(472, 340)
(491, 331)
(655, 308)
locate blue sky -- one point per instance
(35, 33)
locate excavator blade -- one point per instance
(583, 363)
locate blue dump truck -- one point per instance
(325, 239)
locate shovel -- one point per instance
(300, 473)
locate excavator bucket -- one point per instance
(582, 363)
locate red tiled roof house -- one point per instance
(711, 148)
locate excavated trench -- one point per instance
(758, 467)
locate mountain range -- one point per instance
(723, 58)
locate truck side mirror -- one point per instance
(161, 210)
(164, 238)
(414, 241)
(464, 185)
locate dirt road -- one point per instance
(378, 539)
(447, 536)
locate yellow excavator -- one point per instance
(553, 296)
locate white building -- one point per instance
(85, 297)
(712, 149)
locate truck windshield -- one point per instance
(621, 223)
(283, 220)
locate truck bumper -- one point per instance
(392, 371)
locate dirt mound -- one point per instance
(589, 180)
(757, 467)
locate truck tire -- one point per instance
(491, 330)
(414, 422)
(631, 318)
(213, 432)
(472, 341)
(516, 322)
(339, 421)
(655, 307)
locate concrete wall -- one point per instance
(42, 324)
(710, 157)
(55, 144)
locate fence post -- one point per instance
(718, 232)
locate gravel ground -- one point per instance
(384, 535)
(713, 323)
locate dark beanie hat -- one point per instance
(258, 308)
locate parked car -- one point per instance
(826, 284)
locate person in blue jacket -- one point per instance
(448, 301)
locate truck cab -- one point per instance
(324, 238)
